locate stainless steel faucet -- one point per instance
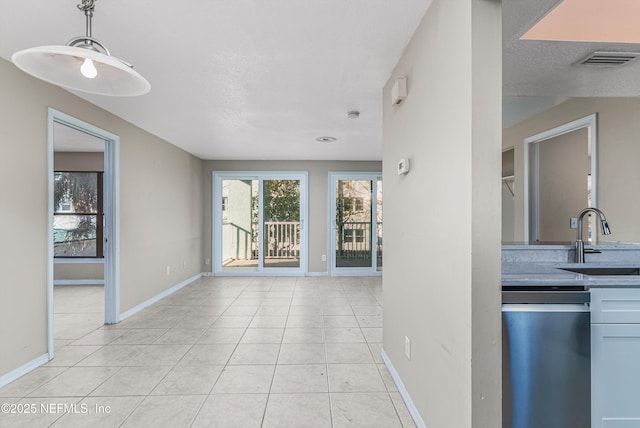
(579, 245)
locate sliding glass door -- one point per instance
(259, 222)
(239, 229)
(356, 223)
(281, 223)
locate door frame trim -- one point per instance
(531, 197)
(111, 218)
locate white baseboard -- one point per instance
(345, 273)
(278, 274)
(23, 370)
(255, 274)
(78, 282)
(317, 273)
(158, 297)
(88, 261)
(403, 391)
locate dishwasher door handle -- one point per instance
(545, 307)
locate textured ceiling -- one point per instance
(241, 79)
(540, 74)
(255, 79)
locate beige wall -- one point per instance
(618, 154)
(318, 197)
(78, 161)
(77, 271)
(507, 213)
(441, 282)
(564, 167)
(161, 211)
(161, 216)
(23, 257)
(507, 196)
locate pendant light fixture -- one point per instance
(83, 64)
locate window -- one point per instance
(225, 208)
(353, 235)
(78, 214)
(348, 235)
(351, 204)
(358, 204)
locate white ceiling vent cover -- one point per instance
(608, 59)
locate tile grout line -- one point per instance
(350, 291)
(275, 367)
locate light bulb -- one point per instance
(88, 69)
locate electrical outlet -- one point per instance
(207, 261)
(407, 347)
(168, 270)
(324, 257)
(573, 223)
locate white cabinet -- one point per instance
(615, 306)
(615, 358)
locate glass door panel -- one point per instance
(258, 223)
(353, 223)
(239, 224)
(356, 223)
(281, 223)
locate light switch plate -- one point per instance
(399, 91)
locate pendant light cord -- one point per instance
(88, 42)
(88, 6)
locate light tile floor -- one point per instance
(221, 352)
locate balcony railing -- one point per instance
(353, 240)
(282, 239)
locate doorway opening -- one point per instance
(83, 286)
(560, 179)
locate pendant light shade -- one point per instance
(83, 64)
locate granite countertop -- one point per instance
(551, 274)
(541, 265)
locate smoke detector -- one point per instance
(326, 139)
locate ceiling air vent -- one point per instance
(608, 59)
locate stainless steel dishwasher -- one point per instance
(546, 353)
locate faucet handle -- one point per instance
(592, 251)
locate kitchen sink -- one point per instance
(601, 270)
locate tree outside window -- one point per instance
(78, 214)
